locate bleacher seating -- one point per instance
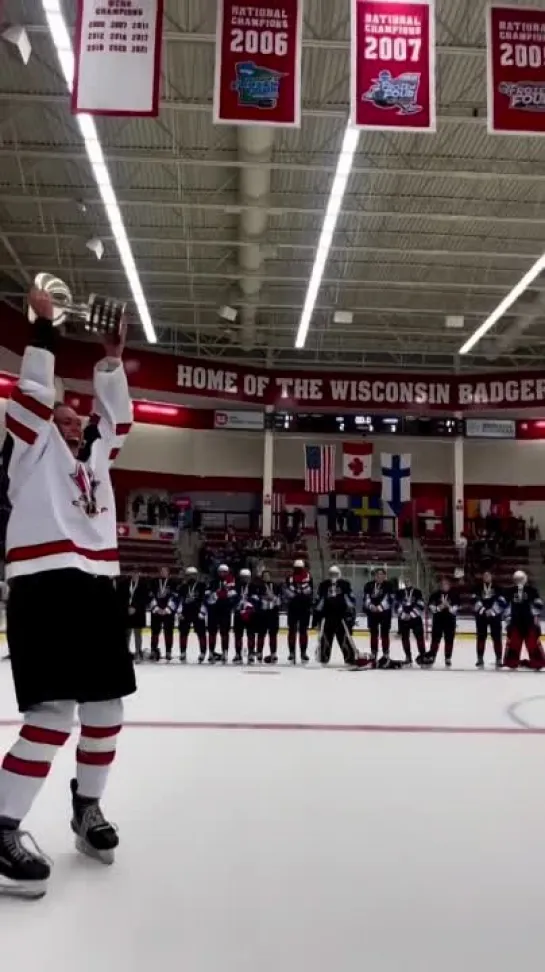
(366, 548)
(278, 563)
(444, 560)
(147, 556)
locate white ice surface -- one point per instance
(281, 850)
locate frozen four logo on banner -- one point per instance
(258, 63)
(117, 57)
(516, 70)
(393, 65)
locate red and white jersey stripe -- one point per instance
(63, 511)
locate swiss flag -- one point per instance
(357, 467)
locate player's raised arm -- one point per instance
(112, 406)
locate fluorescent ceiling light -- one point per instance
(63, 45)
(336, 196)
(503, 307)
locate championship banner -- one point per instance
(516, 70)
(117, 57)
(393, 65)
(258, 64)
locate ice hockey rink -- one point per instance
(294, 819)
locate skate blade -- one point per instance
(31, 890)
(106, 857)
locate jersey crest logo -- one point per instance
(401, 92)
(87, 486)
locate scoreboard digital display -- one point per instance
(330, 424)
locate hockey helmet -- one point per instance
(520, 578)
(299, 564)
(191, 571)
(245, 574)
(223, 569)
(334, 572)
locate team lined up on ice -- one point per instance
(249, 608)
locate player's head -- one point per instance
(70, 426)
(445, 584)
(165, 572)
(520, 578)
(223, 570)
(191, 572)
(135, 574)
(299, 564)
(380, 575)
(245, 574)
(334, 572)
(266, 576)
(487, 576)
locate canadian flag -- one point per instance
(357, 466)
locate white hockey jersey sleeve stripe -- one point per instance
(30, 408)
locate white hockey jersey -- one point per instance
(63, 511)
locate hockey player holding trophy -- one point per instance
(244, 621)
(267, 621)
(220, 599)
(524, 606)
(443, 605)
(61, 558)
(299, 595)
(377, 605)
(489, 606)
(410, 607)
(191, 612)
(334, 614)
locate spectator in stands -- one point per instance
(207, 561)
(196, 519)
(533, 530)
(341, 520)
(461, 546)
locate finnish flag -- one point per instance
(396, 480)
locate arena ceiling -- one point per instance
(432, 225)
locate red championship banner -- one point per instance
(258, 64)
(393, 65)
(117, 57)
(516, 70)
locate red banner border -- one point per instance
(154, 110)
(490, 86)
(216, 119)
(427, 129)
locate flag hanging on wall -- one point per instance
(117, 57)
(357, 467)
(396, 480)
(258, 64)
(319, 468)
(393, 65)
(516, 70)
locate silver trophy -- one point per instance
(102, 315)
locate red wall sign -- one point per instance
(258, 63)
(117, 57)
(393, 64)
(516, 70)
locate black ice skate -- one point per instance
(202, 656)
(183, 659)
(95, 837)
(271, 660)
(24, 873)
(292, 659)
(305, 659)
(237, 660)
(480, 663)
(251, 659)
(448, 663)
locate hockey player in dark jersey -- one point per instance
(298, 593)
(245, 616)
(191, 612)
(163, 609)
(524, 606)
(489, 605)
(377, 605)
(269, 602)
(220, 599)
(334, 613)
(410, 607)
(443, 605)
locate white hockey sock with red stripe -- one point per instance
(101, 724)
(25, 767)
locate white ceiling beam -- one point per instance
(158, 157)
(234, 208)
(444, 118)
(182, 241)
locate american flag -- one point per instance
(320, 469)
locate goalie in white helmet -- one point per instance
(524, 607)
(334, 614)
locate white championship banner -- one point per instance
(117, 62)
